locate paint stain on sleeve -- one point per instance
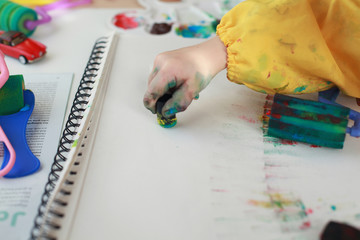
(300, 89)
(276, 79)
(288, 42)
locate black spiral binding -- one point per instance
(73, 122)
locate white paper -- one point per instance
(213, 176)
(20, 197)
(207, 177)
(286, 190)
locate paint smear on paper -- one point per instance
(289, 210)
(248, 119)
(279, 142)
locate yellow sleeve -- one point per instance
(293, 46)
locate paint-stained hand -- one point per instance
(184, 73)
(178, 73)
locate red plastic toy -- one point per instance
(18, 45)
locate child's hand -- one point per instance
(184, 72)
(181, 72)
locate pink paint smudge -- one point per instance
(247, 119)
(309, 211)
(305, 225)
(219, 190)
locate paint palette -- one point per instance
(184, 18)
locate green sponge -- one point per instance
(12, 95)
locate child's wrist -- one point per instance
(214, 55)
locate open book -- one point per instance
(19, 197)
(52, 92)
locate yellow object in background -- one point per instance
(33, 2)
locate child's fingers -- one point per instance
(153, 91)
(179, 102)
(159, 85)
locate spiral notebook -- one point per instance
(62, 191)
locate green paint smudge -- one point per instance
(202, 80)
(263, 62)
(252, 76)
(263, 91)
(312, 48)
(281, 88)
(276, 79)
(172, 84)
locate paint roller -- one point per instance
(322, 123)
(15, 17)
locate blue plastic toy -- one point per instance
(14, 126)
(329, 97)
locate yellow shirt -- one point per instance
(293, 46)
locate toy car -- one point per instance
(18, 45)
